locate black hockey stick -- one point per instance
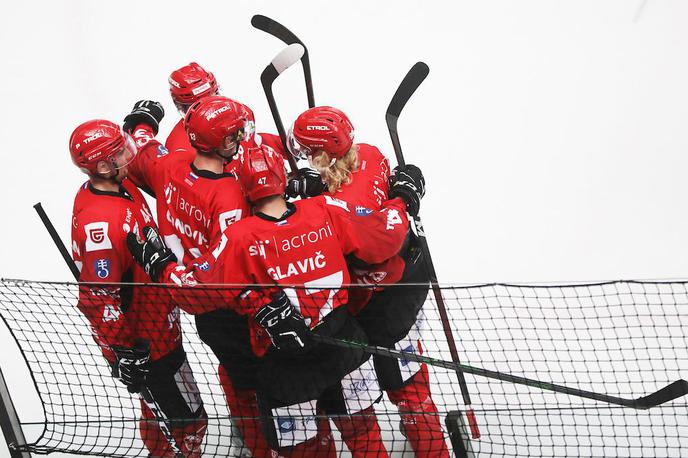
(279, 31)
(145, 392)
(668, 393)
(282, 61)
(408, 86)
(57, 240)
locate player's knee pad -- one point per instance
(361, 434)
(187, 436)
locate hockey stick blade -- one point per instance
(282, 61)
(668, 393)
(408, 86)
(280, 32)
(287, 57)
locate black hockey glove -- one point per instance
(150, 253)
(407, 182)
(145, 112)
(284, 324)
(306, 183)
(132, 365)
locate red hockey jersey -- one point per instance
(178, 139)
(369, 184)
(303, 252)
(100, 224)
(367, 190)
(193, 206)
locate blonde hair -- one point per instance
(335, 173)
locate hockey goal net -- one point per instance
(625, 339)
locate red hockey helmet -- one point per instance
(321, 128)
(100, 140)
(261, 173)
(214, 118)
(189, 84)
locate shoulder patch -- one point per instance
(229, 217)
(362, 211)
(329, 200)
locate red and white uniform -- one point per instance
(369, 184)
(305, 248)
(193, 206)
(178, 139)
(100, 224)
(368, 189)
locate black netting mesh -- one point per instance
(624, 339)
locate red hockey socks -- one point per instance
(361, 434)
(419, 416)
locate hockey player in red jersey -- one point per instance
(188, 85)
(357, 174)
(137, 329)
(300, 247)
(197, 200)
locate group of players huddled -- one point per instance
(228, 215)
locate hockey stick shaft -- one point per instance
(668, 393)
(280, 32)
(406, 89)
(145, 393)
(57, 240)
(285, 59)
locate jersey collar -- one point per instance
(210, 175)
(123, 193)
(291, 209)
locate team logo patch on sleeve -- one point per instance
(102, 268)
(97, 236)
(362, 211)
(205, 266)
(229, 217)
(162, 151)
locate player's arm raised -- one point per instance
(142, 124)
